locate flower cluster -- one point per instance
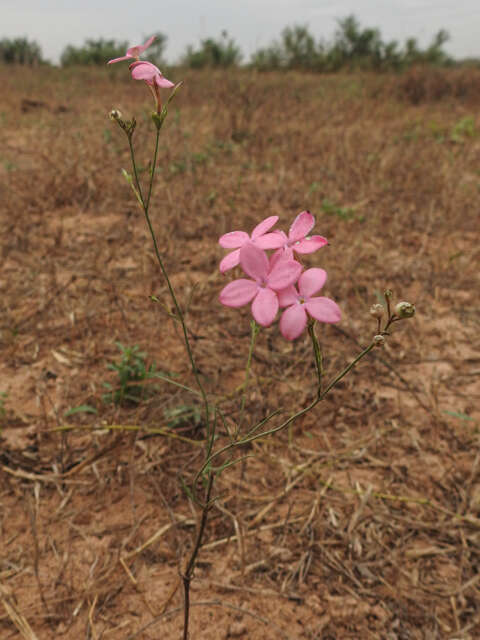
(278, 281)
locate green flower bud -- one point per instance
(404, 310)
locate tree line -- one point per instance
(352, 47)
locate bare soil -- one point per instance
(360, 522)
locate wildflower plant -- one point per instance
(276, 285)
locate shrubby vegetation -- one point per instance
(20, 51)
(93, 52)
(97, 52)
(353, 47)
(222, 52)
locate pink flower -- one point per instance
(143, 70)
(134, 52)
(262, 289)
(301, 302)
(297, 239)
(237, 239)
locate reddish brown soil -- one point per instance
(360, 522)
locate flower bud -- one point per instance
(159, 117)
(405, 310)
(379, 340)
(388, 293)
(115, 114)
(377, 310)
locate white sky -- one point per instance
(252, 23)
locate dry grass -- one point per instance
(363, 521)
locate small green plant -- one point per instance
(184, 416)
(464, 128)
(133, 376)
(332, 209)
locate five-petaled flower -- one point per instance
(267, 279)
(298, 239)
(237, 239)
(302, 302)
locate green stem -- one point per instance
(153, 169)
(317, 352)
(253, 338)
(251, 436)
(179, 312)
(134, 165)
(188, 574)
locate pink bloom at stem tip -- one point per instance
(237, 239)
(134, 52)
(302, 302)
(297, 239)
(267, 280)
(143, 70)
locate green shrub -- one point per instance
(20, 51)
(353, 47)
(93, 52)
(222, 52)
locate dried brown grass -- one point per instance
(363, 521)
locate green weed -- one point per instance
(332, 209)
(131, 386)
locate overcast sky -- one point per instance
(252, 23)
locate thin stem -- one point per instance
(135, 173)
(153, 169)
(253, 338)
(317, 352)
(251, 436)
(179, 312)
(188, 574)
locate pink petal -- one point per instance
(254, 262)
(293, 321)
(143, 70)
(284, 253)
(234, 239)
(272, 240)
(264, 226)
(265, 307)
(141, 48)
(231, 260)
(134, 52)
(309, 245)
(311, 281)
(283, 274)
(302, 224)
(287, 296)
(238, 293)
(163, 82)
(127, 57)
(323, 309)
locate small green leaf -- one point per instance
(459, 415)
(83, 408)
(129, 179)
